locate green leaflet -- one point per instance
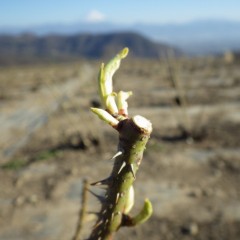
(105, 81)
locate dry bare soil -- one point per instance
(50, 142)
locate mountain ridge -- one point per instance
(31, 48)
(195, 37)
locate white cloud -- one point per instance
(95, 16)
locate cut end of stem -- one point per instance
(142, 123)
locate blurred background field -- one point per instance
(50, 141)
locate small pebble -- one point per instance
(195, 193)
(191, 229)
(33, 199)
(207, 192)
(19, 201)
(72, 171)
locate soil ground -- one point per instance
(51, 142)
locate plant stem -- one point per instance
(133, 136)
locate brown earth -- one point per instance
(190, 170)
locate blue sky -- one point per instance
(35, 12)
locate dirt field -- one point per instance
(50, 142)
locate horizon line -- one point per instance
(174, 22)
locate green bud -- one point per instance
(122, 102)
(111, 105)
(144, 214)
(105, 116)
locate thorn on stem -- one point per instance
(102, 182)
(122, 166)
(117, 197)
(119, 153)
(132, 171)
(97, 224)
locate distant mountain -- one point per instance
(64, 29)
(30, 48)
(196, 37)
